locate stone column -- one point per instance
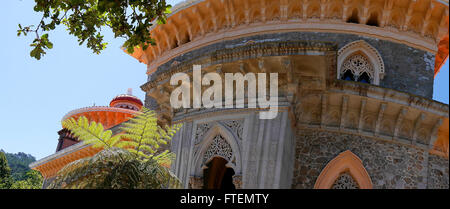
(195, 182)
(237, 181)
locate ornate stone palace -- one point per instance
(355, 93)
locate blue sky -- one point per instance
(35, 95)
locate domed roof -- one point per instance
(127, 101)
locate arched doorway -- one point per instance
(217, 175)
(217, 161)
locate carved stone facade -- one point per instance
(269, 156)
(236, 126)
(397, 135)
(201, 130)
(390, 165)
(218, 148)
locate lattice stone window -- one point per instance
(345, 181)
(357, 68)
(359, 61)
(219, 147)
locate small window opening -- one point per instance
(354, 18)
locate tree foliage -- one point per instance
(20, 176)
(133, 158)
(15, 173)
(5, 172)
(18, 162)
(32, 180)
(85, 19)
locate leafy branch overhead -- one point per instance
(85, 19)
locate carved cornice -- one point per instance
(372, 111)
(246, 51)
(390, 95)
(412, 23)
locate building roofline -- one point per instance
(196, 23)
(98, 108)
(59, 154)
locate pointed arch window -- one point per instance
(359, 61)
(345, 171)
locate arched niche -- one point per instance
(216, 138)
(346, 162)
(218, 175)
(362, 50)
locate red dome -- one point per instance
(127, 101)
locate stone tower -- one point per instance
(355, 85)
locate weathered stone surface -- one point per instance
(389, 165)
(151, 103)
(438, 175)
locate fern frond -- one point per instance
(135, 159)
(92, 133)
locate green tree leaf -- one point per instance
(86, 19)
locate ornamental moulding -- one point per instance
(248, 51)
(424, 25)
(363, 30)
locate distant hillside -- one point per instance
(19, 164)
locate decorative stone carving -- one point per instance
(237, 181)
(216, 19)
(360, 57)
(345, 181)
(195, 182)
(236, 126)
(219, 147)
(201, 130)
(256, 50)
(358, 64)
